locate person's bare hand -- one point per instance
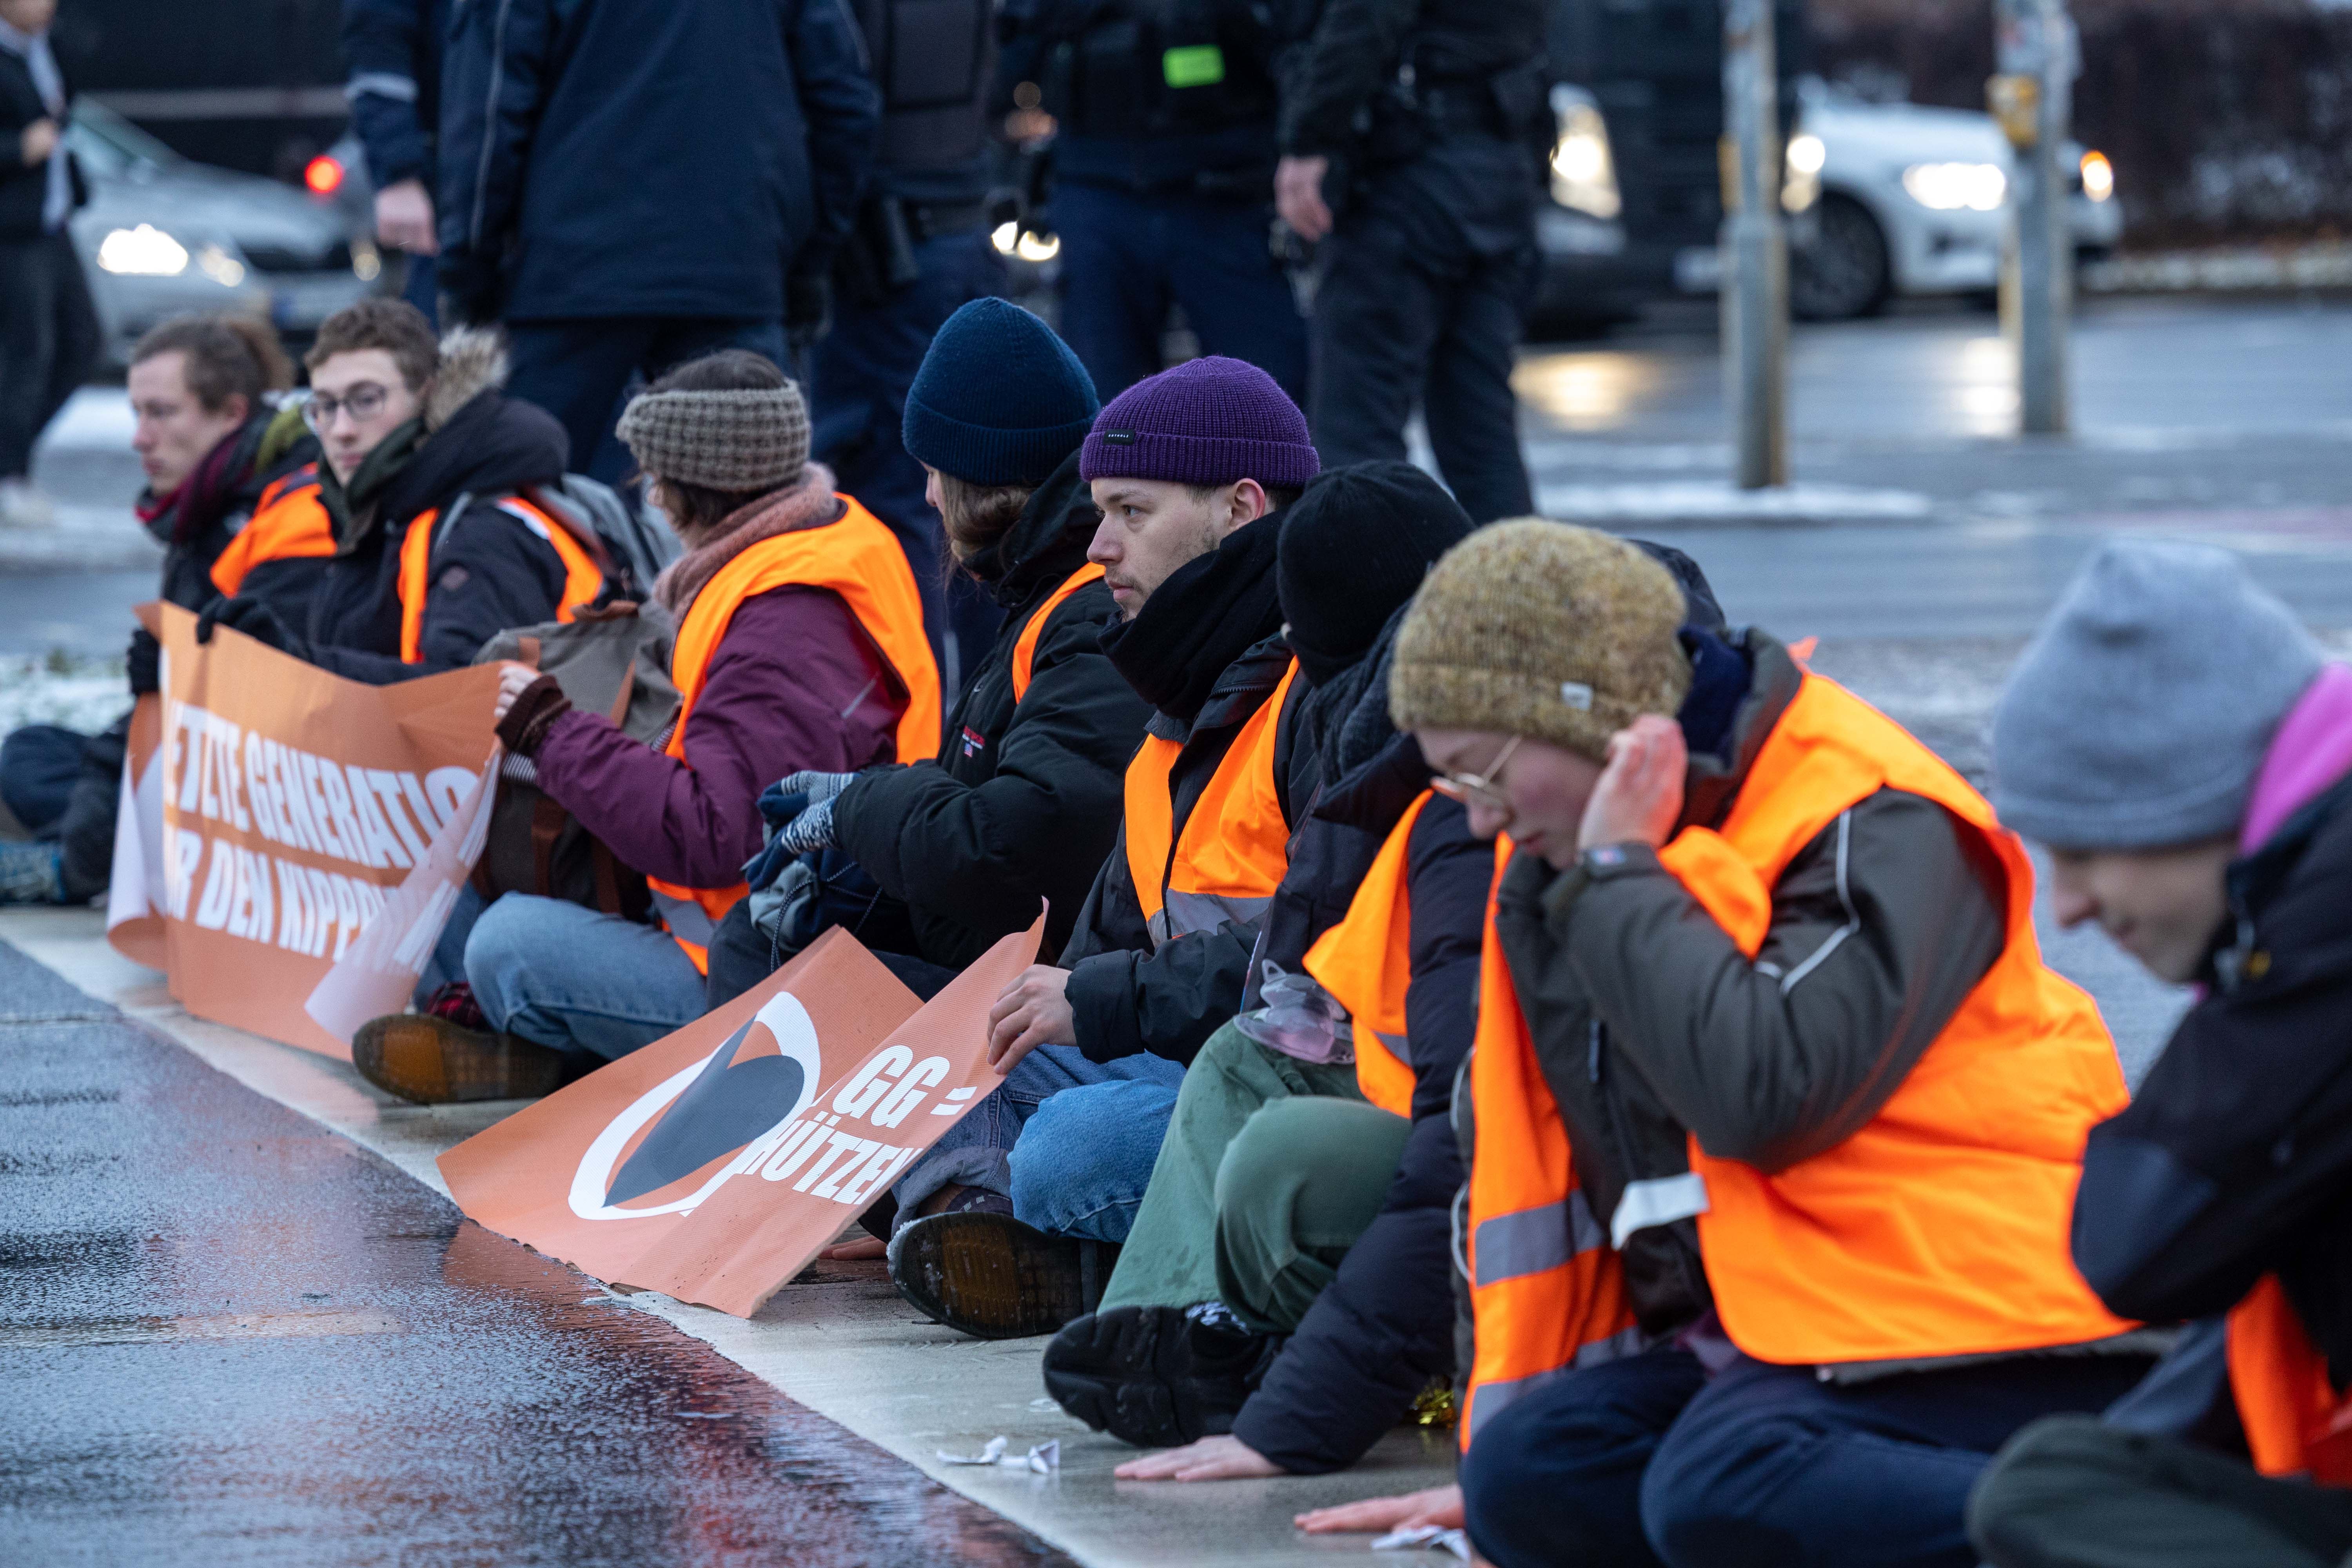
(863, 1248)
(1440, 1506)
(512, 679)
(404, 218)
(1640, 796)
(1298, 197)
(1034, 1011)
(1209, 1459)
(38, 141)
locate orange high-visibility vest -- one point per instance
(2296, 1424)
(1366, 963)
(583, 579)
(287, 522)
(854, 557)
(1236, 842)
(1940, 1228)
(1024, 651)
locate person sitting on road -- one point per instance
(800, 646)
(1778, 1112)
(1024, 804)
(219, 455)
(1191, 469)
(425, 482)
(2184, 748)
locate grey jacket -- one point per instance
(1649, 1025)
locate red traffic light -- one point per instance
(323, 175)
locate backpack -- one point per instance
(615, 661)
(636, 544)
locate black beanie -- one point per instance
(1354, 549)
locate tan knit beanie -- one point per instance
(1541, 629)
(747, 441)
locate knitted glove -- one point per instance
(811, 829)
(536, 707)
(818, 788)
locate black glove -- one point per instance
(808, 307)
(251, 616)
(144, 663)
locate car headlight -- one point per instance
(2098, 175)
(1949, 187)
(1038, 248)
(1583, 175)
(145, 251)
(220, 266)
(1801, 186)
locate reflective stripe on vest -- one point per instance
(2296, 1424)
(582, 578)
(287, 523)
(1024, 652)
(854, 557)
(1941, 1226)
(1366, 963)
(1546, 1290)
(1235, 845)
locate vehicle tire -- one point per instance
(1843, 272)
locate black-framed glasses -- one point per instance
(1485, 789)
(362, 402)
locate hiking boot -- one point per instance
(984, 1273)
(433, 1061)
(32, 874)
(1158, 1377)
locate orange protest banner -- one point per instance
(713, 1165)
(291, 842)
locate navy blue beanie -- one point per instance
(1000, 400)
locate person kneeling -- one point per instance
(800, 645)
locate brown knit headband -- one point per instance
(745, 441)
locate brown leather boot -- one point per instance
(432, 1061)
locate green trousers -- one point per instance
(1271, 1169)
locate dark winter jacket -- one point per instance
(795, 683)
(2234, 1159)
(1650, 1026)
(1023, 802)
(492, 573)
(1207, 652)
(392, 49)
(196, 523)
(644, 158)
(23, 188)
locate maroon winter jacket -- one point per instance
(795, 683)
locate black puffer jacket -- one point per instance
(195, 529)
(1023, 802)
(493, 573)
(1207, 651)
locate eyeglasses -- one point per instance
(1486, 789)
(362, 403)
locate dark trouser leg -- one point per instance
(1377, 317)
(1771, 1467)
(419, 285)
(48, 336)
(1472, 414)
(857, 399)
(1114, 283)
(1554, 1479)
(1232, 290)
(38, 766)
(86, 833)
(77, 336)
(576, 370)
(2070, 1492)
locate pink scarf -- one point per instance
(809, 502)
(2312, 750)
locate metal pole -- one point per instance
(2034, 100)
(1754, 299)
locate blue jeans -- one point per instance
(1648, 1460)
(1071, 1142)
(579, 371)
(569, 978)
(1126, 256)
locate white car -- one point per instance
(1900, 199)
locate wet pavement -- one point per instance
(228, 1334)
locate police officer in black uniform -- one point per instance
(393, 50)
(920, 251)
(1411, 138)
(1164, 177)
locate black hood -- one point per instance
(492, 446)
(1208, 613)
(1045, 543)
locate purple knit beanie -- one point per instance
(1209, 421)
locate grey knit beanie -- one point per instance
(2141, 711)
(743, 441)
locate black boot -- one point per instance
(984, 1273)
(1158, 1376)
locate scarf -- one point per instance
(807, 502)
(1210, 611)
(204, 497)
(350, 506)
